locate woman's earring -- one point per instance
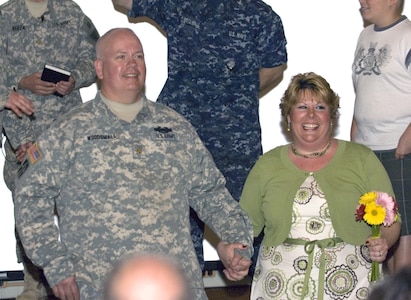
(289, 127)
(331, 126)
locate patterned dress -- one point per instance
(339, 271)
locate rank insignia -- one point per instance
(137, 151)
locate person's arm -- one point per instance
(83, 73)
(270, 50)
(18, 130)
(404, 144)
(9, 99)
(37, 191)
(270, 78)
(353, 131)
(250, 200)
(216, 207)
(127, 4)
(391, 233)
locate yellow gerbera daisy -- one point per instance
(374, 214)
(368, 197)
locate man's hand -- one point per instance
(65, 87)
(22, 150)
(19, 104)
(37, 86)
(236, 266)
(67, 289)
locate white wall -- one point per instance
(321, 38)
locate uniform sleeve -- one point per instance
(214, 204)
(271, 41)
(84, 72)
(17, 130)
(4, 91)
(154, 9)
(37, 188)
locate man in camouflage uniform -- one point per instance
(221, 55)
(122, 172)
(34, 33)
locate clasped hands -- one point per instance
(236, 266)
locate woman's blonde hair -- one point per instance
(317, 85)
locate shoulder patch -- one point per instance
(34, 153)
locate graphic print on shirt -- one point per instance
(371, 61)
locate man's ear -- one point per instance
(98, 65)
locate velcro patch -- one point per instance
(34, 153)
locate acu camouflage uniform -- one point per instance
(215, 51)
(121, 187)
(63, 37)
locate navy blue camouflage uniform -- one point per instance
(215, 51)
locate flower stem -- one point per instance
(375, 266)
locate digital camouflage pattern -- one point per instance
(63, 37)
(215, 51)
(121, 187)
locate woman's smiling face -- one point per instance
(310, 120)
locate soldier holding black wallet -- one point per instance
(34, 33)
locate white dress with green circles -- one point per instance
(280, 270)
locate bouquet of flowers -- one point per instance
(376, 209)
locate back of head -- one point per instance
(396, 287)
(146, 277)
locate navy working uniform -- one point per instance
(215, 51)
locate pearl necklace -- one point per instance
(310, 155)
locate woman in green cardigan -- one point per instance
(304, 196)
